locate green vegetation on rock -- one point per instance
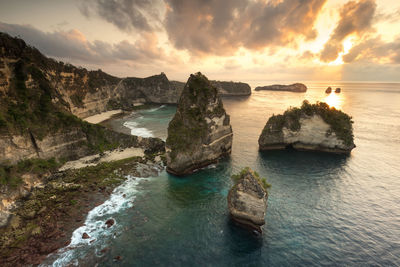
(340, 123)
(261, 180)
(10, 175)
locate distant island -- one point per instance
(224, 88)
(296, 87)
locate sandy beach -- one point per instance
(102, 116)
(108, 156)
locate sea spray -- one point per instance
(139, 131)
(121, 199)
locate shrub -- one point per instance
(262, 181)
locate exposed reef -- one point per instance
(200, 132)
(314, 127)
(247, 199)
(296, 87)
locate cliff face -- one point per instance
(224, 88)
(247, 200)
(81, 92)
(296, 87)
(38, 97)
(200, 132)
(311, 127)
(232, 88)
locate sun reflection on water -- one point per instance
(334, 100)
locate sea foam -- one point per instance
(121, 198)
(139, 131)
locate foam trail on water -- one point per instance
(155, 109)
(139, 131)
(121, 198)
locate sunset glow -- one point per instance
(334, 100)
(236, 40)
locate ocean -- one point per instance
(323, 209)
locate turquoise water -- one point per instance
(322, 209)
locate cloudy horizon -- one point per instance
(276, 40)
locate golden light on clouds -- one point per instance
(347, 45)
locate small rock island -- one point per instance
(247, 199)
(328, 90)
(296, 87)
(200, 132)
(314, 127)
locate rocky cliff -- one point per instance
(82, 92)
(247, 199)
(296, 87)
(224, 88)
(232, 88)
(311, 127)
(200, 132)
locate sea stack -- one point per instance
(314, 127)
(328, 90)
(247, 199)
(200, 132)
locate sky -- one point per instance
(239, 40)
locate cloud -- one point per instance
(221, 27)
(375, 50)
(355, 18)
(216, 27)
(73, 46)
(127, 15)
(231, 64)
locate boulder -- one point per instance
(312, 127)
(247, 199)
(200, 132)
(110, 222)
(328, 90)
(85, 236)
(296, 87)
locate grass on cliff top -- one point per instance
(10, 175)
(261, 180)
(340, 122)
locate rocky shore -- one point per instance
(44, 219)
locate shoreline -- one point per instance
(44, 221)
(103, 116)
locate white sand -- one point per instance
(108, 156)
(102, 116)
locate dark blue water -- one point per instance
(322, 209)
